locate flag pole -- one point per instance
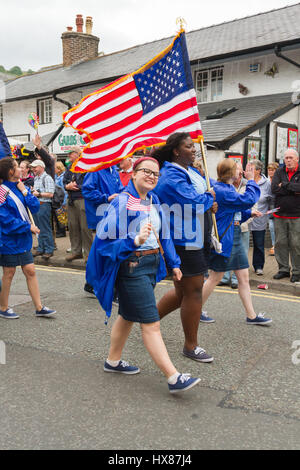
(208, 185)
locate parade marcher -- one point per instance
(286, 188)
(176, 189)
(130, 256)
(239, 183)
(259, 224)
(233, 209)
(99, 187)
(26, 177)
(125, 170)
(16, 237)
(43, 189)
(272, 167)
(81, 237)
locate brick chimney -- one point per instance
(77, 45)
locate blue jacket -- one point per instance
(96, 189)
(107, 254)
(16, 236)
(229, 202)
(175, 189)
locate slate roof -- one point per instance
(259, 31)
(252, 113)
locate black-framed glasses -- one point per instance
(148, 172)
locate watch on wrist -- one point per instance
(25, 192)
(39, 193)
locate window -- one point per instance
(209, 84)
(1, 112)
(44, 110)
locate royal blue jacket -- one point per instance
(16, 237)
(96, 189)
(229, 202)
(107, 254)
(175, 190)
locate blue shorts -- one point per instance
(135, 287)
(20, 259)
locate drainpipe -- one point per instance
(277, 50)
(62, 125)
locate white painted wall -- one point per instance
(237, 71)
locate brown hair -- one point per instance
(273, 166)
(226, 170)
(6, 164)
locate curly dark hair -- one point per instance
(6, 164)
(165, 153)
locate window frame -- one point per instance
(43, 116)
(219, 70)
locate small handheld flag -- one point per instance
(137, 204)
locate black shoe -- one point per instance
(295, 278)
(222, 283)
(88, 288)
(281, 275)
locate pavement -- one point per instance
(270, 268)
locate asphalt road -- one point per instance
(55, 394)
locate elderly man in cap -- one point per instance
(43, 189)
(286, 187)
(81, 237)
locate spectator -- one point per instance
(59, 175)
(42, 154)
(100, 187)
(272, 167)
(26, 177)
(286, 187)
(126, 169)
(43, 189)
(81, 237)
(259, 224)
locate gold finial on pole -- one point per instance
(181, 21)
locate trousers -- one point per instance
(81, 237)
(287, 244)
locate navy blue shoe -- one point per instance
(9, 314)
(184, 382)
(122, 368)
(259, 320)
(45, 312)
(205, 318)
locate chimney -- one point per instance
(77, 45)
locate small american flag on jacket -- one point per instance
(3, 195)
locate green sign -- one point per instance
(65, 140)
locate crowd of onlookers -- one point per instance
(277, 209)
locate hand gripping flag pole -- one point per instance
(208, 185)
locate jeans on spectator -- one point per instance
(43, 221)
(258, 259)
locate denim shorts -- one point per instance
(135, 287)
(237, 260)
(20, 259)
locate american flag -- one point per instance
(137, 111)
(136, 204)
(3, 194)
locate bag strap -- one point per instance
(220, 238)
